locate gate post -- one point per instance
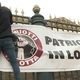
(38, 19)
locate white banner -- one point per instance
(41, 49)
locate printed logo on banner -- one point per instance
(28, 48)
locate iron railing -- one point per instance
(70, 75)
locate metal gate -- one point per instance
(71, 75)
